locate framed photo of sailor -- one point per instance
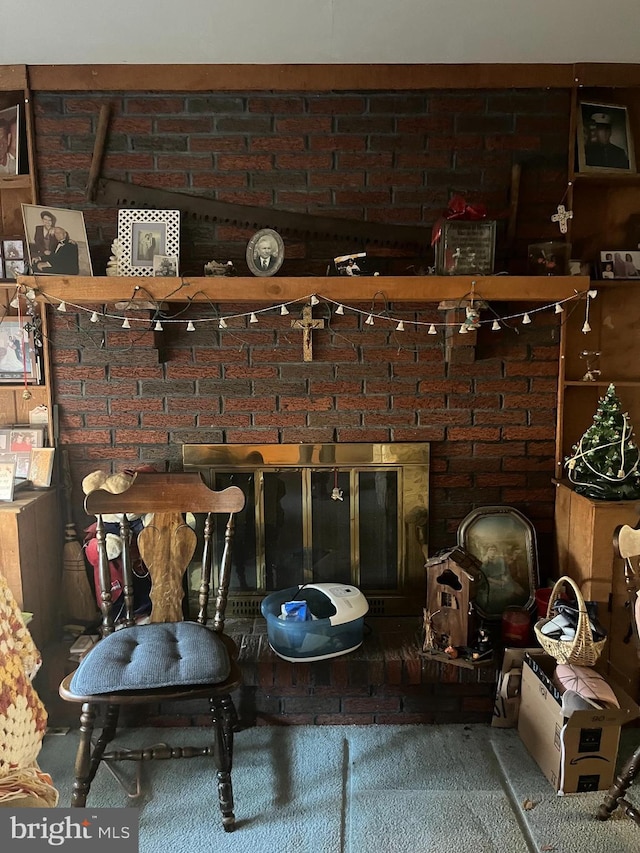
(265, 252)
(604, 139)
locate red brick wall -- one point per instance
(383, 157)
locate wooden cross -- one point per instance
(562, 217)
(307, 324)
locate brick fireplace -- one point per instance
(486, 408)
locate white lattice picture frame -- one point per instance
(144, 234)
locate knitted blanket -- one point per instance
(23, 718)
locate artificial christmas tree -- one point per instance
(605, 462)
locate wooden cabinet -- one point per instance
(584, 547)
(30, 559)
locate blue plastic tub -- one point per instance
(336, 629)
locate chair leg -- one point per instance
(615, 794)
(224, 718)
(89, 755)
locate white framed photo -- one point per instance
(18, 361)
(143, 234)
(56, 241)
(620, 264)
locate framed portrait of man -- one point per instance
(265, 252)
(604, 139)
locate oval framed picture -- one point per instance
(265, 252)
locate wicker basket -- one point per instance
(583, 650)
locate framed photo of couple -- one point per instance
(56, 241)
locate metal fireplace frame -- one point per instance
(410, 460)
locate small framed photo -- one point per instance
(466, 248)
(9, 140)
(7, 475)
(17, 353)
(23, 461)
(24, 438)
(41, 467)
(619, 264)
(143, 234)
(56, 241)
(604, 138)
(165, 266)
(13, 250)
(351, 264)
(265, 252)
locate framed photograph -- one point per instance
(620, 264)
(41, 467)
(604, 138)
(13, 250)
(504, 541)
(23, 461)
(351, 264)
(9, 140)
(550, 258)
(24, 438)
(17, 353)
(143, 234)
(13, 268)
(56, 241)
(7, 475)
(265, 252)
(466, 248)
(165, 265)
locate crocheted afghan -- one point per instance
(23, 718)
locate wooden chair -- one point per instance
(169, 659)
(626, 542)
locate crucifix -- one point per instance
(307, 324)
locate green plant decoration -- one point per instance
(604, 464)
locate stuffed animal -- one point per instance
(116, 484)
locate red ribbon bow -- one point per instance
(458, 209)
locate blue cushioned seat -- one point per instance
(143, 657)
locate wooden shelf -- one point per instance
(99, 290)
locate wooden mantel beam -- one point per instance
(83, 290)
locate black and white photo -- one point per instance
(265, 252)
(604, 138)
(56, 241)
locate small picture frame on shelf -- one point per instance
(165, 266)
(265, 252)
(11, 257)
(7, 475)
(466, 248)
(620, 265)
(24, 438)
(604, 142)
(578, 267)
(143, 234)
(41, 467)
(9, 141)
(56, 241)
(18, 360)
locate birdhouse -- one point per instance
(452, 578)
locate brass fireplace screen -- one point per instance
(349, 513)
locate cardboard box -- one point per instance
(577, 753)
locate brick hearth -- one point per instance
(386, 680)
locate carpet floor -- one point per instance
(357, 789)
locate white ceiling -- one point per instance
(35, 32)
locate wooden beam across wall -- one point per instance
(299, 78)
(83, 290)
